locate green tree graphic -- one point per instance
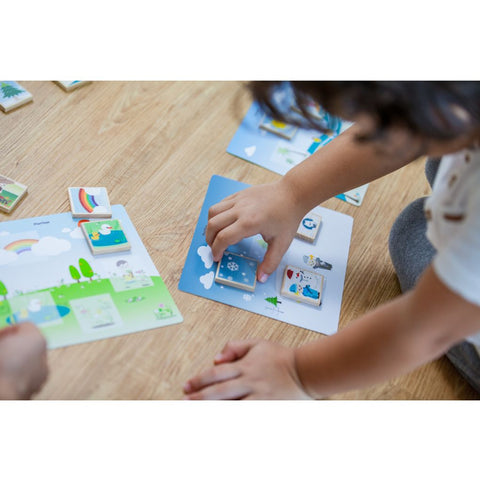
(9, 90)
(74, 273)
(85, 268)
(285, 151)
(3, 290)
(273, 300)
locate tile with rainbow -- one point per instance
(89, 202)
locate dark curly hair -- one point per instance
(440, 110)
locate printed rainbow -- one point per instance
(87, 201)
(20, 246)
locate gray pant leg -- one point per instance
(411, 253)
(431, 168)
(410, 250)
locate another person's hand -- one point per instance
(271, 210)
(23, 361)
(249, 370)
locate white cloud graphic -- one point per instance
(4, 233)
(207, 280)
(250, 150)
(66, 230)
(205, 253)
(7, 257)
(50, 246)
(101, 209)
(77, 233)
(94, 190)
(247, 297)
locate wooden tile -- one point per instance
(237, 271)
(281, 129)
(13, 95)
(302, 285)
(105, 236)
(69, 85)
(89, 202)
(11, 192)
(309, 227)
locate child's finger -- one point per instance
(216, 374)
(234, 350)
(224, 238)
(31, 337)
(273, 256)
(235, 389)
(218, 223)
(225, 204)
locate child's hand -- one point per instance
(23, 361)
(249, 370)
(271, 210)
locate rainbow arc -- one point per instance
(86, 200)
(20, 246)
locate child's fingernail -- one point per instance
(218, 357)
(187, 388)
(263, 278)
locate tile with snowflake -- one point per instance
(237, 271)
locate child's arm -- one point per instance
(275, 210)
(386, 342)
(391, 340)
(23, 361)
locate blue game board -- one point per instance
(329, 250)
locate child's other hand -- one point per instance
(23, 361)
(249, 370)
(270, 210)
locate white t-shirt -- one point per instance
(453, 227)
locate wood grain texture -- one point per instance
(166, 139)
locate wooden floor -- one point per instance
(166, 140)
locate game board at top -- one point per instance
(89, 202)
(279, 146)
